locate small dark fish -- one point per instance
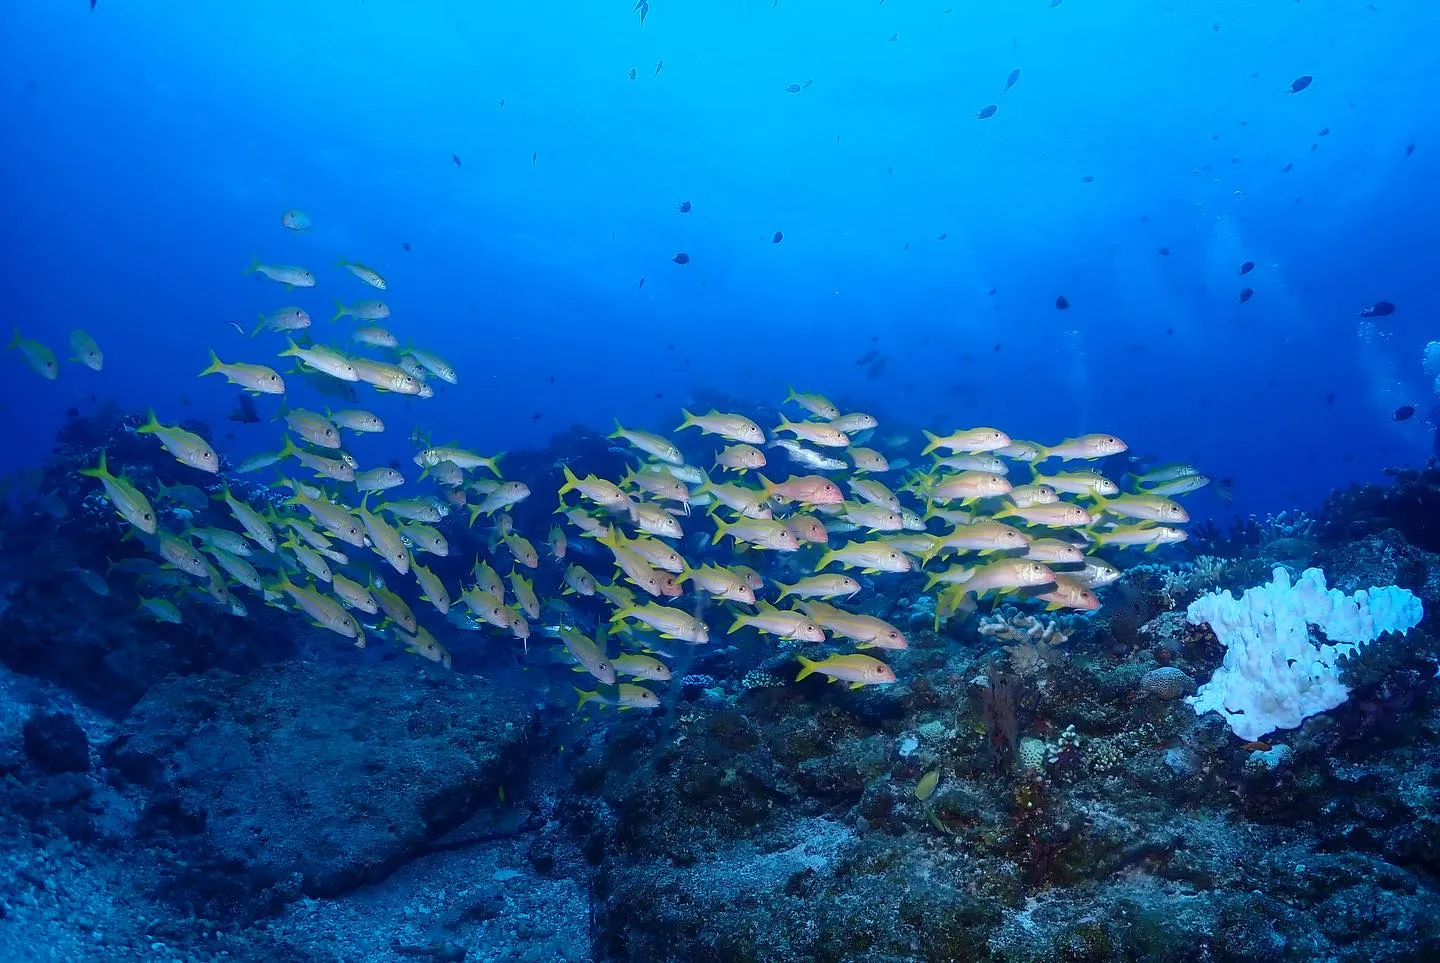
(681, 258)
(404, 245)
(1404, 412)
(1215, 26)
(792, 88)
(532, 158)
(1288, 168)
(92, 4)
(1314, 148)
(659, 66)
(894, 37)
(987, 111)
(535, 417)
(455, 158)
(1169, 330)
(944, 236)
(684, 207)
(1324, 132)
(1409, 149)
(245, 412)
(642, 8)
(236, 326)
(1246, 268)
(777, 237)
(1164, 252)
(1379, 309)
(1010, 80)
(642, 284)
(993, 290)
(1300, 83)
(1062, 303)
(809, 84)
(1246, 294)
(997, 346)
(631, 73)
(1088, 179)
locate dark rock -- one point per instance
(67, 789)
(56, 743)
(541, 854)
(282, 778)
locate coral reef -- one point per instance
(1034, 788)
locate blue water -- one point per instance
(152, 147)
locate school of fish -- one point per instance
(973, 513)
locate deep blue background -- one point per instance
(151, 148)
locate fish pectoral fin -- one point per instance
(857, 685)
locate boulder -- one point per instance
(327, 774)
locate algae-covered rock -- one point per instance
(324, 773)
(55, 742)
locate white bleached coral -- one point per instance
(1275, 675)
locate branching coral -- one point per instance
(1036, 644)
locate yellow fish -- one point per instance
(870, 557)
(254, 378)
(128, 500)
(188, 447)
(653, 445)
(817, 405)
(733, 427)
(626, 695)
(1084, 447)
(971, 440)
(86, 351)
(365, 274)
(858, 670)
